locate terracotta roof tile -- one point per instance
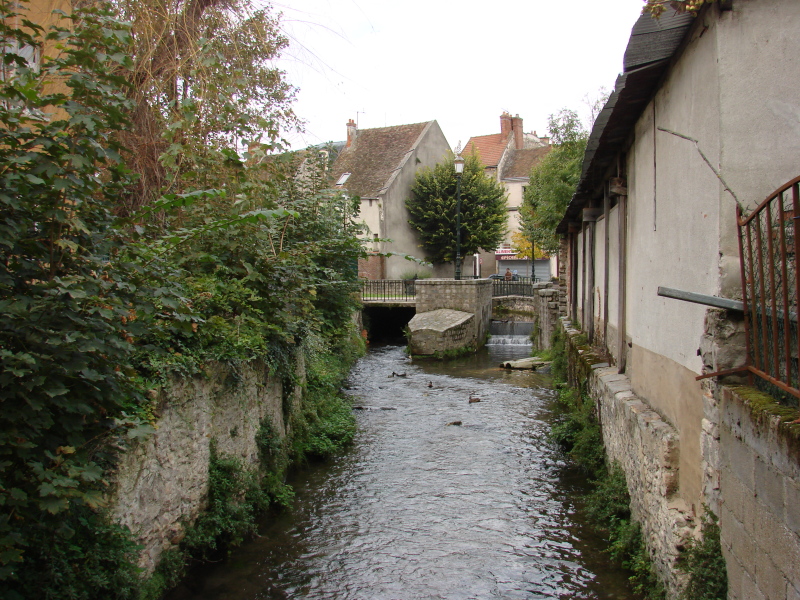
(489, 147)
(521, 162)
(374, 156)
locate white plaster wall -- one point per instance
(512, 224)
(514, 193)
(759, 66)
(432, 148)
(673, 210)
(371, 216)
(613, 279)
(599, 274)
(733, 90)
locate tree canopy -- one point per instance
(553, 181)
(432, 207)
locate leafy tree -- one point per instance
(553, 181)
(523, 247)
(233, 258)
(203, 80)
(72, 303)
(432, 207)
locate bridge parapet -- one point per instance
(467, 295)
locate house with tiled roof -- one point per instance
(379, 166)
(509, 156)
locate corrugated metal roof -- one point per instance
(651, 46)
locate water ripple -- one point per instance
(439, 498)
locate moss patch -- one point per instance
(764, 409)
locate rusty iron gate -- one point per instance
(769, 246)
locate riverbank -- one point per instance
(421, 506)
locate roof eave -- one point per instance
(633, 91)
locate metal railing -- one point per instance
(405, 290)
(388, 290)
(769, 246)
(521, 287)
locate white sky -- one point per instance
(461, 63)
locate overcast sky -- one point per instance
(461, 63)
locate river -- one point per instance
(450, 491)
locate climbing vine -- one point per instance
(657, 7)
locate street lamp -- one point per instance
(459, 164)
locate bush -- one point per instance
(703, 562)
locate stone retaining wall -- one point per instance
(646, 448)
(162, 483)
(759, 491)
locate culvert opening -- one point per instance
(386, 325)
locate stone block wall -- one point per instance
(441, 330)
(162, 482)
(467, 295)
(646, 448)
(759, 495)
(550, 305)
(545, 307)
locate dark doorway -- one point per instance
(386, 325)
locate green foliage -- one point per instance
(204, 82)
(703, 562)
(235, 497)
(236, 261)
(432, 207)
(558, 368)
(72, 299)
(657, 7)
(553, 181)
(607, 505)
(608, 508)
(82, 557)
(325, 424)
(577, 431)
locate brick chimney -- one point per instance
(352, 132)
(505, 124)
(516, 127)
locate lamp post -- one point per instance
(459, 164)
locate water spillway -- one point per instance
(510, 333)
(451, 490)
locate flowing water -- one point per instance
(450, 491)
